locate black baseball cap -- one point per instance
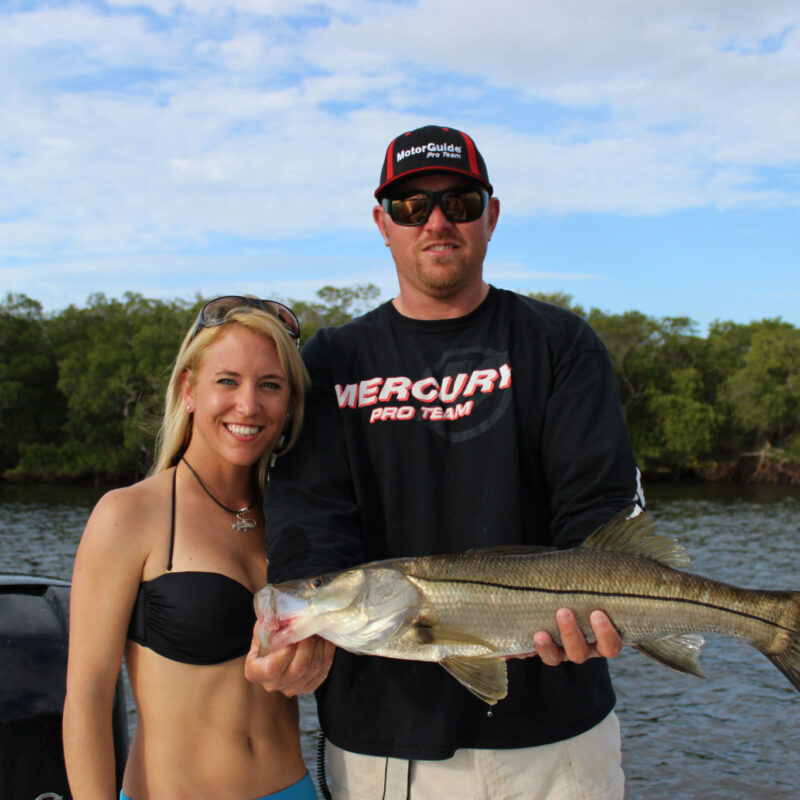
(432, 149)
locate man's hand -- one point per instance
(574, 645)
(295, 669)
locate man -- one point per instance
(456, 416)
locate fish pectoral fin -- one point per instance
(430, 632)
(678, 652)
(486, 678)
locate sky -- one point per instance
(646, 153)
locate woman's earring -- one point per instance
(189, 407)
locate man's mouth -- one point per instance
(440, 247)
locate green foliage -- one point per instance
(95, 379)
(792, 448)
(765, 390)
(31, 407)
(335, 307)
(633, 343)
(658, 365)
(114, 359)
(561, 299)
(81, 391)
(681, 429)
(689, 400)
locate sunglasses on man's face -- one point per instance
(414, 207)
(214, 313)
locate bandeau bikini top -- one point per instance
(193, 617)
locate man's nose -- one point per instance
(437, 219)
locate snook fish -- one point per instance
(468, 612)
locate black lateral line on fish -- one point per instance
(600, 593)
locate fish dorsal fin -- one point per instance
(486, 678)
(636, 536)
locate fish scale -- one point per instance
(470, 611)
(641, 596)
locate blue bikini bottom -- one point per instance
(302, 790)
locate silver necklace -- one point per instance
(242, 523)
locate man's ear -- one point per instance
(494, 214)
(379, 215)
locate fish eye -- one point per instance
(317, 582)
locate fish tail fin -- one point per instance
(786, 655)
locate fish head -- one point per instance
(294, 610)
(356, 608)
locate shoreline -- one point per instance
(767, 467)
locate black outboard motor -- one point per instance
(34, 615)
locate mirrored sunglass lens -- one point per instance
(410, 210)
(217, 309)
(457, 206)
(287, 317)
(462, 206)
(214, 312)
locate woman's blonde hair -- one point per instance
(176, 426)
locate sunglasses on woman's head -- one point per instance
(414, 207)
(214, 313)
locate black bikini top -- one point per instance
(193, 617)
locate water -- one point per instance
(732, 736)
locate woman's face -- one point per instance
(240, 396)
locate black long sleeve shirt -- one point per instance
(503, 427)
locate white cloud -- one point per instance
(273, 273)
(146, 126)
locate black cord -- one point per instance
(321, 779)
(205, 489)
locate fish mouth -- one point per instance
(274, 633)
(275, 609)
(278, 616)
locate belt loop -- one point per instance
(397, 782)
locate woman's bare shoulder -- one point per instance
(143, 496)
(132, 509)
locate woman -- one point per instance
(165, 574)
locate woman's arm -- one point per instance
(105, 578)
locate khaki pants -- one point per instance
(586, 767)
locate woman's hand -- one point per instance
(295, 669)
